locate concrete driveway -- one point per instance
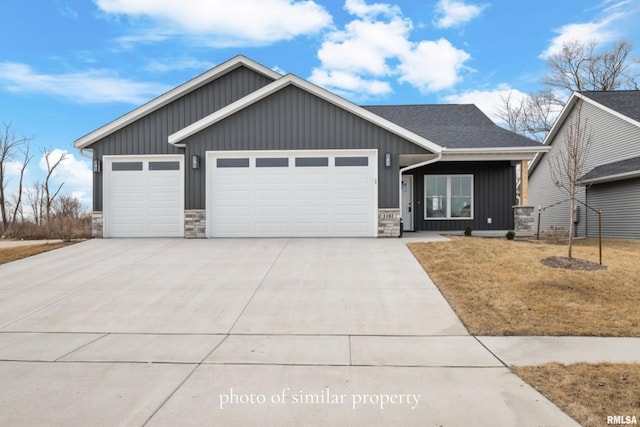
(244, 332)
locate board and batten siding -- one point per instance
(613, 139)
(293, 119)
(620, 205)
(494, 195)
(150, 134)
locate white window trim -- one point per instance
(448, 198)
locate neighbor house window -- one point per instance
(448, 196)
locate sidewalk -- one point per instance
(525, 351)
(8, 243)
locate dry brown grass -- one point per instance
(499, 287)
(588, 393)
(13, 254)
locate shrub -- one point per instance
(468, 230)
(510, 235)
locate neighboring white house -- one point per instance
(612, 174)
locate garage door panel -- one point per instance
(144, 196)
(292, 194)
(271, 195)
(272, 211)
(264, 180)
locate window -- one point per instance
(272, 162)
(164, 166)
(448, 196)
(232, 163)
(305, 162)
(352, 161)
(126, 166)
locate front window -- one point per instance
(448, 196)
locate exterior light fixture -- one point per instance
(387, 159)
(195, 162)
(97, 166)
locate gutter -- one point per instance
(86, 156)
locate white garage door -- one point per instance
(143, 196)
(294, 193)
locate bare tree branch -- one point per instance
(568, 163)
(51, 164)
(576, 67)
(10, 147)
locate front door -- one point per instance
(407, 202)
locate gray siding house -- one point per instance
(243, 151)
(612, 179)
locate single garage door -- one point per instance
(292, 194)
(143, 196)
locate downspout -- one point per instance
(408, 168)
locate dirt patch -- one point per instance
(571, 263)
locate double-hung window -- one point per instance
(448, 196)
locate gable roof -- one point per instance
(172, 95)
(178, 137)
(453, 126)
(623, 169)
(624, 104)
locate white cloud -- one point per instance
(432, 66)
(586, 32)
(177, 64)
(93, 86)
(361, 8)
(454, 13)
(74, 172)
(376, 45)
(365, 46)
(601, 29)
(489, 101)
(350, 84)
(230, 23)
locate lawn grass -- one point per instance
(499, 287)
(588, 392)
(16, 253)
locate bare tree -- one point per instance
(49, 194)
(67, 206)
(12, 149)
(532, 116)
(34, 198)
(578, 66)
(568, 164)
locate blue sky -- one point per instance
(68, 67)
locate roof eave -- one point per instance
(172, 95)
(493, 153)
(610, 178)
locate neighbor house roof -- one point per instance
(624, 104)
(172, 95)
(453, 126)
(623, 169)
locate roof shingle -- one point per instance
(626, 102)
(621, 167)
(451, 125)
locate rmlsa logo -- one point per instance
(621, 419)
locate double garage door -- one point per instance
(248, 194)
(299, 193)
